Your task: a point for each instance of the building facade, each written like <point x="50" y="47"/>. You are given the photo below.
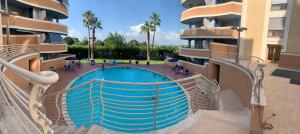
<point x="34" y="25"/>
<point x="271" y="33"/>
<point x="209" y="28"/>
<point x="33" y="37"/>
<point x="290" y="53"/>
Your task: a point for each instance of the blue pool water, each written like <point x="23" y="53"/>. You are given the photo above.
<point x="127" y="108"/>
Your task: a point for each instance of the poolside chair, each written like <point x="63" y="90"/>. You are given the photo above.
<point x="179" y="70"/>
<point x="114" y="61"/>
<point x="185" y="72"/>
<point x="68" y="68"/>
<point x="86" y="61"/>
<point x="175" y="67"/>
<point x="92" y="62"/>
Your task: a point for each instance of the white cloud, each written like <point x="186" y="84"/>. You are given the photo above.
<point x="100" y="36"/>
<point x="170" y="36"/>
<point x="163" y="38"/>
<point x="76" y="34"/>
<point x="80" y="35"/>
<point x="135" y="30"/>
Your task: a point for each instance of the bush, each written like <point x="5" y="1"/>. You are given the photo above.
<point x="121" y="52"/>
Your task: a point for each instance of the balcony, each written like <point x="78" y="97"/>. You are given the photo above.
<point x="19" y="45"/>
<point x="53" y="48"/>
<point x="223" y="51"/>
<point x="24" y="23"/>
<point x="275" y="40"/>
<point x="22" y="39"/>
<point x="221" y="32"/>
<point x="54" y="62"/>
<point x="192" y="3"/>
<point x="51" y="5"/>
<point x="197" y="53"/>
<point x="228" y="10"/>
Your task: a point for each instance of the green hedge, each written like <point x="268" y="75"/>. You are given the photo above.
<point x="121" y="52"/>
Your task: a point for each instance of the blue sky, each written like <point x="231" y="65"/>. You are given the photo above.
<point x="126" y="16"/>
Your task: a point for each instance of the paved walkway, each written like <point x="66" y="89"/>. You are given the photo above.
<point x="283" y="99"/>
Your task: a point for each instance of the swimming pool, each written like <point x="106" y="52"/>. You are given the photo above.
<point x="129" y="108"/>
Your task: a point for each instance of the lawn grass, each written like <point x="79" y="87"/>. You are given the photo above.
<point x="99" y="61"/>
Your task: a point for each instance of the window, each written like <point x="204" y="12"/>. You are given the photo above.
<point x="277" y="23"/>
<point x="276" y="7"/>
<point x="276" y="33"/>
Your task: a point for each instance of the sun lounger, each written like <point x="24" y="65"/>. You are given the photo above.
<point x="175" y="67"/>
<point x="186" y="72"/>
<point x="68" y="68"/>
<point x="179" y="70"/>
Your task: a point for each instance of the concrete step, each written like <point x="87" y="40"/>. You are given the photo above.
<point x="73" y="130"/>
<point x="82" y="130"/>
<point x="94" y="130"/>
<point x="241" y="120"/>
<point x="211" y="125"/>
<point x="67" y="130"/>
<point x="59" y="129"/>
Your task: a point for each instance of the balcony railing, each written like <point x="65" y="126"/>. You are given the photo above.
<point x="53" y="5"/>
<point x="22" y="39"/>
<point x="24" y="23"/>
<point x="204" y="53"/>
<point x="9" y="52"/>
<point x="53" y="48"/>
<point x="19" y="45"/>
<point x="221" y="32"/>
<point x="28" y="106"/>
<point x="189" y="3"/>
<point x="224" y="9"/>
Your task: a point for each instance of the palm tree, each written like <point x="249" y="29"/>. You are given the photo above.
<point x="146" y="28"/>
<point x="155" y="22"/>
<point x="95" y="24"/>
<point x="87" y="18"/>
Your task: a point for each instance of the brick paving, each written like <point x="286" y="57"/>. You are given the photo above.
<point x="283" y="99"/>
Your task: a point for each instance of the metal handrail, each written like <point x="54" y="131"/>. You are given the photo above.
<point x="9" y="52"/>
<point x="31" y="104"/>
<point x="254" y="65"/>
<point x="166" y="102"/>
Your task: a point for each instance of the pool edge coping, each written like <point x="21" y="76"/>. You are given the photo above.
<point x="145" y="69"/>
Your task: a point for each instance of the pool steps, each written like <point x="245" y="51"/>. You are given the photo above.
<point x="72" y="130"/>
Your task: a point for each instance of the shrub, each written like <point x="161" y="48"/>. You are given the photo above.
<point x="121" y="52"/>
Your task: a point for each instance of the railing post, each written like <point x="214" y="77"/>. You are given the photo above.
<point x="155" y="106"/>
<point x="34" y="104"/>
<point x="58" y="109"/>
<point x="91" y="102"/>
<point x="102" y="102"/>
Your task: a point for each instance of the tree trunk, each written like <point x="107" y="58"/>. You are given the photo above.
<point x="93" y="46"/>
<point x="152" y="50"/>
<point x="148" y="43"/>
<point x="89" y="44"/>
